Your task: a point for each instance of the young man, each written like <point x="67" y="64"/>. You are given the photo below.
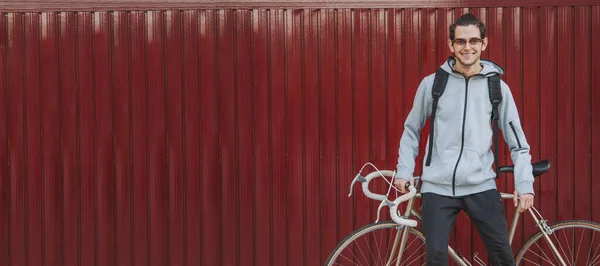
<point x="460" y="174"/>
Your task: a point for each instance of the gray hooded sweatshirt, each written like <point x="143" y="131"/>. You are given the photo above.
<point x="462" y="159"/>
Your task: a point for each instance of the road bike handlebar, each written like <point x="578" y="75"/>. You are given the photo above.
<point x="393" y="205"/>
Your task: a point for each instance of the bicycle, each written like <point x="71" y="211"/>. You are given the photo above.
<point x="399" y="242"/>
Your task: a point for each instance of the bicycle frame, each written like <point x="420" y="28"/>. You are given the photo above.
<point x="411" y="212"/>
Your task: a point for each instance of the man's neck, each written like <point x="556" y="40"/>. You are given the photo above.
<point x="468" y="71"/>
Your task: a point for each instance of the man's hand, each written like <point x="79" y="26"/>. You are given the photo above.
<point x="526" y="201"/>
<point x="401" y="183"/>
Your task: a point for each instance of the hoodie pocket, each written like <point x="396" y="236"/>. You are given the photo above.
<point x="469" y="170"/>
<point x="442" y="167"/>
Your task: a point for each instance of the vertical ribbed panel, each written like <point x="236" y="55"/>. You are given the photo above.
<point x="230" y="137"/>
<point x="595" y="111"/>
<point x="5" y="189"/>
<point x="210" y="157"/>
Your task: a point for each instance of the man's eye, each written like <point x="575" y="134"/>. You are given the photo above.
<point x="459" y="41"/>
<point x="474" y="41"/>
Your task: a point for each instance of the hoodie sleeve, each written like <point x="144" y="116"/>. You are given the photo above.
<point x="409" y="143"/>
<point x="514" y="136"/>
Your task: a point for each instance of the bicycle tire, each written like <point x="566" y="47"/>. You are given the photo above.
<point x="351" y="250"/>
<point x="571" y="239"/>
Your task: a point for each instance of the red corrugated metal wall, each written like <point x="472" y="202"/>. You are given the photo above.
<point x="230" y="137"/>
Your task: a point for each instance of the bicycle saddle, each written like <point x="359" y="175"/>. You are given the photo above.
<point x="539" y="168"/>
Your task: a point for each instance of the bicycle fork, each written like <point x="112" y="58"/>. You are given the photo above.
<point x="401" y="237"/>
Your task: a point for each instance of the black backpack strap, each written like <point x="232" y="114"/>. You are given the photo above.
<point x="495" y="99"/>
<point x="439" y="84"/>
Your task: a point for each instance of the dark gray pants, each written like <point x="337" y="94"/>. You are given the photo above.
<point x="487" y="213"/>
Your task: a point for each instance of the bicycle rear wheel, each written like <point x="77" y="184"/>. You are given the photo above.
<point x="578" y="243"/>
<point x="373" y="244"/>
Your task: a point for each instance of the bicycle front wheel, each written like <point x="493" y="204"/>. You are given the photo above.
<point x="577" y="242"/>
<point x="378" y="244"/>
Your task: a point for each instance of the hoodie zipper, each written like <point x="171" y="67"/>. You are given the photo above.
<point x="515" y="132"/>
<point x="462" y="141"/>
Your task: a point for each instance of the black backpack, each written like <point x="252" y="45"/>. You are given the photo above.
<point x="439" y="85"/>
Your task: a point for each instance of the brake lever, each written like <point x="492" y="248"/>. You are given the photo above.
<point x="383" y="203"/>
<point x="358" y="178"/>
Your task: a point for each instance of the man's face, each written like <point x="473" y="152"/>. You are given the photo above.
<point x="467" y="45"/>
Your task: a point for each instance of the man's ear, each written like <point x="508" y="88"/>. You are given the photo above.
<point x="450" y="45"/>
<point x="484" y="44"/>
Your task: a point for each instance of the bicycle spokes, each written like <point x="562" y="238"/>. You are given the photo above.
<point x="571" y="243"/>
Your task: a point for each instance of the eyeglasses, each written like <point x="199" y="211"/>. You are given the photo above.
<point x="463" y="42"/>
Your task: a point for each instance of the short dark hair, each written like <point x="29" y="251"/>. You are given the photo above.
<point x="467" y="20"/>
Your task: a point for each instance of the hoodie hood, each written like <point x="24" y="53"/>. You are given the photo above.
<point x="489" y="67"/>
